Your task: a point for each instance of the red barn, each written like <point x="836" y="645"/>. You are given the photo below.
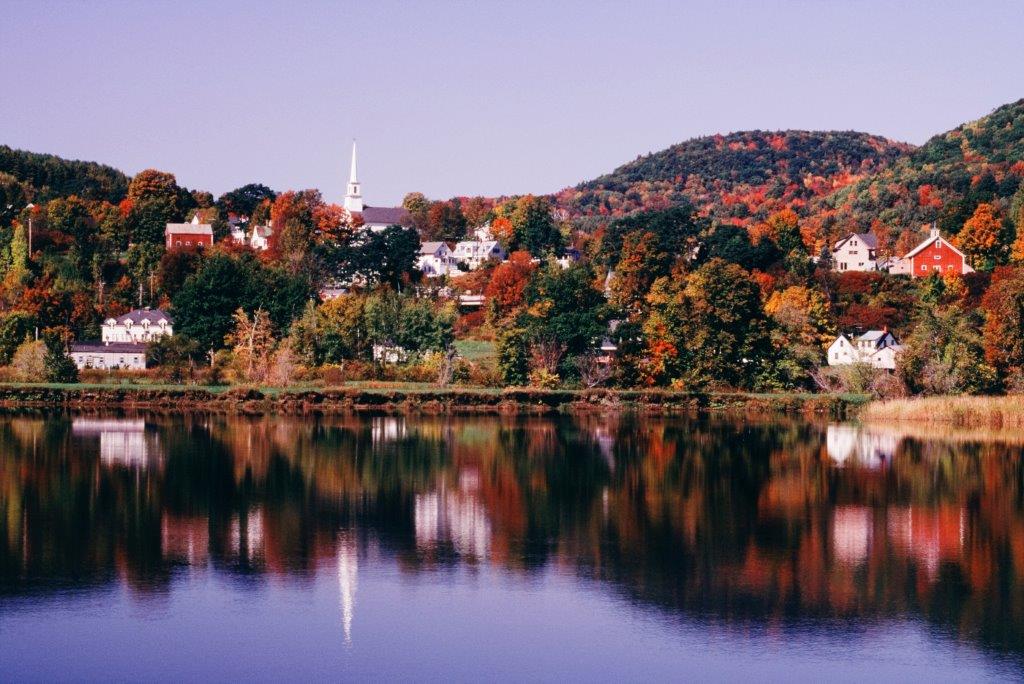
<point x="194" y="234"/>
<point x="934" y="254"/>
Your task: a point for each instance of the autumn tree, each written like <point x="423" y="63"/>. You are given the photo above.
<point x="980" y="237"/>
<point x="252" y="343"/>
<point x="418" y="207"/>
<point x="1003" y="332"/>
<point x="155" y="199"/>
<point x="477" y="211"/>
<point x="29" y="361"/>
<point x="445" y="221"/>
<point x="643" y="260"/>
<point x="294" y="217"/>
<point x="708" y="328"/>
<point x="506" y="288"/>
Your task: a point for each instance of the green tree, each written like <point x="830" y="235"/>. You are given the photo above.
<point x="514" y="356"/>
<point x="57" y="363"/>
<point x="244" y="200"/>
<point x="205" y="306"/>
<point x="534" y="227"/>
<point x="715" y="325"/>
<point x="565" y="307"/>
<point x="15" y="328"/>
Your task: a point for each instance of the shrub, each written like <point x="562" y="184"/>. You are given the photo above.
<point x="29" y="361"/>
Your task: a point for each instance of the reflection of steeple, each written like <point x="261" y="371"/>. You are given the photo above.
<point x="348" y="571"/>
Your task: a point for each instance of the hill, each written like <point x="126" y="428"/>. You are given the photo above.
<point x="738" y="178"/>
<point x="943" y="180"/>
<point x="33" y="177"/>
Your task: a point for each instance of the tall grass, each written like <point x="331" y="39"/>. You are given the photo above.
<point x="994" y="412"/>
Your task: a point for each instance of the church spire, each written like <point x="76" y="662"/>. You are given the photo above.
<point x="354" y="195"/>
<point x="352" y="174"/>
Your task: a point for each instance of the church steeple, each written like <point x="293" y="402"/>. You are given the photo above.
<point x="354" y="195"/>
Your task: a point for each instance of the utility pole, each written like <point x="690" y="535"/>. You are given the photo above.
<point x="30" y="207"/>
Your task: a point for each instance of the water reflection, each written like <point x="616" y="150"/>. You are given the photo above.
<point x="772" y="524"/>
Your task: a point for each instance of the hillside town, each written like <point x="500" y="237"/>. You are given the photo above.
<point x="264" y="288"/>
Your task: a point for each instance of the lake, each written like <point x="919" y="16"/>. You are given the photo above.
<point x="170" y="548"/>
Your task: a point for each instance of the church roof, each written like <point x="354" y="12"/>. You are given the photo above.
<point x="390" y="216"/>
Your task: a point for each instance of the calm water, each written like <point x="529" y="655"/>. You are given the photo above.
<point x="157" y="548"/>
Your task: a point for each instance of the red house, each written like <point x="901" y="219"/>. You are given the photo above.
<point x="934" y="254"/>
<point x="194" y="234"/>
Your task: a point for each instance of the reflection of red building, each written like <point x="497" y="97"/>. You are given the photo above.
<point x="185" y="539"/>
<point x="929" y="536"/>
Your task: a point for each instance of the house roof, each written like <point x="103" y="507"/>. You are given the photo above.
<point x="868" y="239"/>
<point x="390" y="216"/>
<point x="189" y="229"/>
<point x="139" y="315"/>
<point x="431" y="247"/>
<point x="875" y="336"/>
<point x="929" y="240"/>
<point x="263" y="231"/>
<point x="112" y="348"/>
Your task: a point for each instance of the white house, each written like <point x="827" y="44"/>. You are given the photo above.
<point x="877" y="348"/>
<point x="140" y="326"/>
<point x="435" y="259"/>
<point x="260" y="237"/>
<point x="238" y="233"/>
<point x="109" y="356"/>
<point x="856" y="252"/>
<point x="475" y="253"/>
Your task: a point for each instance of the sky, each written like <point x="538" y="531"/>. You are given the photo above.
<point x="468" y="98"/>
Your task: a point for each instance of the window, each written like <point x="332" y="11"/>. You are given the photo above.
<point x="937" y="257"/>
<point x="924" y="267"/>
<point x="177" y="243"/>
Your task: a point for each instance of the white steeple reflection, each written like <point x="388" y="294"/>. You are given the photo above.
<point x="348" y="575"/>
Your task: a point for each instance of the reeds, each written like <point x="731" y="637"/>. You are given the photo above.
<point x="991" y="412"/>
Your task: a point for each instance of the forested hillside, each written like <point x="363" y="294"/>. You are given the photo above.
<point x="944" y="180"/>
<point x="36" y="177"/>
<point x="738" y="178"/>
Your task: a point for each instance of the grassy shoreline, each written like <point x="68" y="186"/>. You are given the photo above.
<point x="989" y="412"/>
<point x="399" y="398"/>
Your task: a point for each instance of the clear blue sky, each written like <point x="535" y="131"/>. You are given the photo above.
<point x="477" y="97"/>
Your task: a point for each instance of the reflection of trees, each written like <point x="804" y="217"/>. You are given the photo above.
<point x="741" y="522"/>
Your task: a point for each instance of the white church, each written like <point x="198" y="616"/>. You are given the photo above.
<point x="374" y="218"/>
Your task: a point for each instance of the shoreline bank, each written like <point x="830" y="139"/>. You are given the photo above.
<point x="457" y="400"/>
<point x="956" y="411"/>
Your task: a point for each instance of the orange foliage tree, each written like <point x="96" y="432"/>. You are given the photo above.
<point x="980" y="236"/>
